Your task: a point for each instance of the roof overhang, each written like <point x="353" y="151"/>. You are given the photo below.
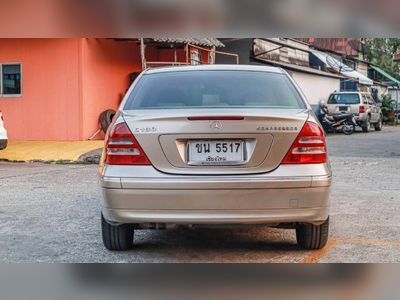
<point x="207" y="42"/>
<point x="386" y="75"/>
<point x="341" y="68"/>
<point x="298" y="68"/>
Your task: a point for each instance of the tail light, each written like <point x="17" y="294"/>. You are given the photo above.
<point x="362" y="109"/>
<point x="122" y="148"/>
<point x="309" y="146"/>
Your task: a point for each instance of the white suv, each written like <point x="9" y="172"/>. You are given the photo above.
<point x="361" y="105"/>
<point x="3" y="133"/>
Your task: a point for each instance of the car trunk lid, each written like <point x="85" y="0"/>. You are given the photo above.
<point x="265" y="136"/>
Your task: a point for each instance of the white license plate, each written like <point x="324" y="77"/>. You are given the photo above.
<point x="221" y="152"/>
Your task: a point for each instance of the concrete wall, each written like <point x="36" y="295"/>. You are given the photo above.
<point x="105" y="77"/>
<point x="49" y="105"/>
<point x="316" y="87"/>
<point x="66" y="84"/>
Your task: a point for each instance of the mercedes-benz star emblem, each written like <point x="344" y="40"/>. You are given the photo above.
<point x="216" y="125"/>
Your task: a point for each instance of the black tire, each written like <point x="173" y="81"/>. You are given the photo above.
<point x="3" y="144"/>
<point x="351" y="127"/>
<point x="311" y="236"/>
<point x="378" y="126"/>
<point x="367" y="125"/>
<point x="105" y="119"/>
<point x="117" y="237"/>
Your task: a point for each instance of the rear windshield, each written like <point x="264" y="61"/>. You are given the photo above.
<point x="214" y="89"/>
<point x="344" y="99"/>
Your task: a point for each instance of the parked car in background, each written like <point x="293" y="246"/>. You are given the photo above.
<point x="3" y="133"/>
<point x="366" y="112"/>
<point x="215" y="145"/>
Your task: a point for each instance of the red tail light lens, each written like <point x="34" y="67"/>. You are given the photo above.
<point x="123" y="149"/>
<point x="309" y="146"/>
<point x="362" y="109"/>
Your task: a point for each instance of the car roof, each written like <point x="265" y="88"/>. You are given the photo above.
<point x="216" y="68"/>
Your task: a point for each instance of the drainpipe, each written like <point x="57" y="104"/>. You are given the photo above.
<point x="142" y="54"/>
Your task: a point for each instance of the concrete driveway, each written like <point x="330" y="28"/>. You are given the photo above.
<point x="51" y="213"/>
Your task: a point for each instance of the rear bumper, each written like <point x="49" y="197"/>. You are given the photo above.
<point x="308" y="215"/>
<point x="276" y="197"/>
<point x="361" y="117"/>
<point x="3" y="144"/>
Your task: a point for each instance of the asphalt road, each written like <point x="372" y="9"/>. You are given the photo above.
<point x="51" y="213"/>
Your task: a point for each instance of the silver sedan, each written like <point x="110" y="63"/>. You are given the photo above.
<point x="215" y="145"/>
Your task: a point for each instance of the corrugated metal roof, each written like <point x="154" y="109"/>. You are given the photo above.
<point x="209" y="42"/>
<point x="344" y="46"/>
<point x="387" y="75"/>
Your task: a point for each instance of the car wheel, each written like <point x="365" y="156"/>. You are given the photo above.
<point x="117" y="237"/>
<point x="311" y="236"/>
<point x="367" y="125"/>
<point x="378" y="126"/>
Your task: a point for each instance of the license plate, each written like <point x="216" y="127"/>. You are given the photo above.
<point x="343" y="108"/>
<point x="223" y="152"/>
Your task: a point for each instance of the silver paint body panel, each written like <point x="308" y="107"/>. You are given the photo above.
<point x="171" y="191"/>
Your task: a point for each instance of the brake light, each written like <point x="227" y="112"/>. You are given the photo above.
<point x="362" y="109"/>
<point x="309" y="146"/>
<point x="122" y="148"/>
<point x="216" y="118"/>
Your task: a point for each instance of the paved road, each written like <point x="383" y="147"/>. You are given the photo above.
<point x="50" y="213"/>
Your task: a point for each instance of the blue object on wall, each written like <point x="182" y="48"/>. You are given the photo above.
<point x="348" y="85"/>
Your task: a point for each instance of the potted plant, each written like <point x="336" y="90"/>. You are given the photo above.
<point x="387" y="109"/>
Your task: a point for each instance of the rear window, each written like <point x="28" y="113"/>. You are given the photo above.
<point x="344" y="99"/>
<point x="214" y="89"/>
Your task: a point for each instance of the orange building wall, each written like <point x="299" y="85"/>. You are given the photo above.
<point x="49" y="106"/>
<point x="106" y="68"/>
<point x="67" y="83"/>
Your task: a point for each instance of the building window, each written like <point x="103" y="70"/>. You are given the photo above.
<point x="10" y="80"/>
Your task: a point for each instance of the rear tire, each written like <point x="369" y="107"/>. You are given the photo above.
<point x="117" y="237"/>
<point x="311" y="236"/>
<point x="367" y="125"/>
<point x="378" y="126"/>
<point x="106" y="118"/>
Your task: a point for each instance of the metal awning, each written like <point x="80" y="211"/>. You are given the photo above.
<point x="208" y="42"/>
<point x="387" y="75"/>
<point x="340" y="67"/>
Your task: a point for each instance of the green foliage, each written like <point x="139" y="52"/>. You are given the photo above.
<point x="387" y="106"/>
<point x="388" y="103"/>
<point x="380" y="51"/>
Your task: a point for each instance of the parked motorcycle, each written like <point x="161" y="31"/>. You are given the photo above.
<point x="343" y="122"/>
